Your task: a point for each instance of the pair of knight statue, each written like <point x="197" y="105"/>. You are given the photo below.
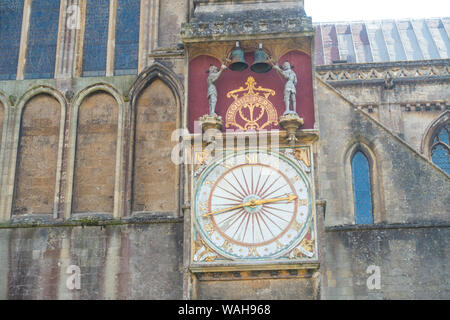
<point x="290" y="93"/>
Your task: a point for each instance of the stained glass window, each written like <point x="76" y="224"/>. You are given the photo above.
<point x="10" y="28"/>
<point x="42" y="39"/>
<point x="440" y="150"/>
<point x="127" y="37"/>
<point x="96" y="38"/>
<point x="362" y="189"/>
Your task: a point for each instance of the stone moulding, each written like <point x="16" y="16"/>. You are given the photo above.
<point x="345" y="73"/>
<point x="243" y="267"/>
<point x="199" y="30"/>
<point x="87" y="220"/>
<point x="421" y="106"/>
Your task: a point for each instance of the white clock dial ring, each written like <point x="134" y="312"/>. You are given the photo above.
<point x="252" y="205"/>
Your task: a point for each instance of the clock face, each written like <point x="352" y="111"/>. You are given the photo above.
<point x="252" y="205"/>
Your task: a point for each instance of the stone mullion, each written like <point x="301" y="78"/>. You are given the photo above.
<point x="77" y="66"/>
<point x="62" y="34"/>
<point x="143" y="45"/>
<point x="155" y="25"/>
<point x="151" y="25"/>
<point x="68" y="36"/>
<point x="24" y="39"/>
<point x="127" y="161"/>
<point x="111" y="38"/>
<point x="63" y="169"/>
<point x="148" y="32"/>
<point x="10" y="159"/>
<point x="8" y="124"/>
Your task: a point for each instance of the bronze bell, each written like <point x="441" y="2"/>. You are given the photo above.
<point x="261" y="64"/>
<point x="238" y="62"/>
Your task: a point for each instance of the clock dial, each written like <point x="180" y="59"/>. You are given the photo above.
<point x="252" y="205"/>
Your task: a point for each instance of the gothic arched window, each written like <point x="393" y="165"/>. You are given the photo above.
<point x="362" y="189"/>
<point x="440" y="150"/>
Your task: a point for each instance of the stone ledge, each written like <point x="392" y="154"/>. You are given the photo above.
<point x="86" y="220"/>
<point x="387" y="226"/>
<point x="264" y="266"/>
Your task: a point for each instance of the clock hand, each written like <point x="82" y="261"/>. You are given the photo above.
<point x="247" y="204"/>
<point x="264" y="201"/>
<point x="252" y="203"/>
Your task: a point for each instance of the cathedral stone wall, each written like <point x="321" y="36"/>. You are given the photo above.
<point x="412" y="263"/>
<point x="87" y="179"/>
<point x="407" y="109"/>
<point x="155" y="175"/>
<point x="116" y="262"/>
<point x="95" y="158"/>
<point x="172" y="15"/>
<point x="37" y="156"/>
<point x="402" y="173"/>
<point x="284" y="285"/>
<point x="409" y="239"/>
<point x="131" y="257"/>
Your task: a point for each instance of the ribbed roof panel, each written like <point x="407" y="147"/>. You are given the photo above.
<point x="382" y="41"/>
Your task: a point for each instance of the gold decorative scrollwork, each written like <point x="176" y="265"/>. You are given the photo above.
<point x="255" y="100"/>
<point x="202" y="252"/>
<point x="303" y="155"/>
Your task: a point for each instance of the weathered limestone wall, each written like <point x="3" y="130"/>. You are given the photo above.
<point x="121" y="166"/>
<point x="413" y="263"/>
<point x="116" y="262"/>
<point x="409" y="240"/>
<point x="171" y="14"/>
<point x="95" y="158"/>
<point x="154" y="176"/>
<point x="402" y="174"/>
<point x="256" y="285"/>
<point x="37" y="156"/>
<point x="82" y="160"/>
<point x="391" y="108"/>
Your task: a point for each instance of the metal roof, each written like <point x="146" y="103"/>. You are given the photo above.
<point x="382" y="41"/>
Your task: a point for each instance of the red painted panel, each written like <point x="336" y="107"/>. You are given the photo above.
<point x="231" y="80"/>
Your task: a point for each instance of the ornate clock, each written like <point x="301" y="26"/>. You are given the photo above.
<point x="254" y="206"/>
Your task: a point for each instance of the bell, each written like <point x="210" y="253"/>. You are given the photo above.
<point x="261" y="64"/>
<point x="237" y="59"/>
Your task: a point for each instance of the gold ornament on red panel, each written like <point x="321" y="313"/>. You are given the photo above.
<point x="251" y="109"/>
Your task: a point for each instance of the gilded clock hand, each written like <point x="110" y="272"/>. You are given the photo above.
<point x="264" y="201"/>
<point x="247" y="204"/>
<point x="252" y="203"/>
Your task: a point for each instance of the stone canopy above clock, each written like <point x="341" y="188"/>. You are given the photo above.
<point x="217" y="19"/>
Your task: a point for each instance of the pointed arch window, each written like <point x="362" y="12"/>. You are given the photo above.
<point x="440" y="150"/>
<point x="362" y="188"/>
